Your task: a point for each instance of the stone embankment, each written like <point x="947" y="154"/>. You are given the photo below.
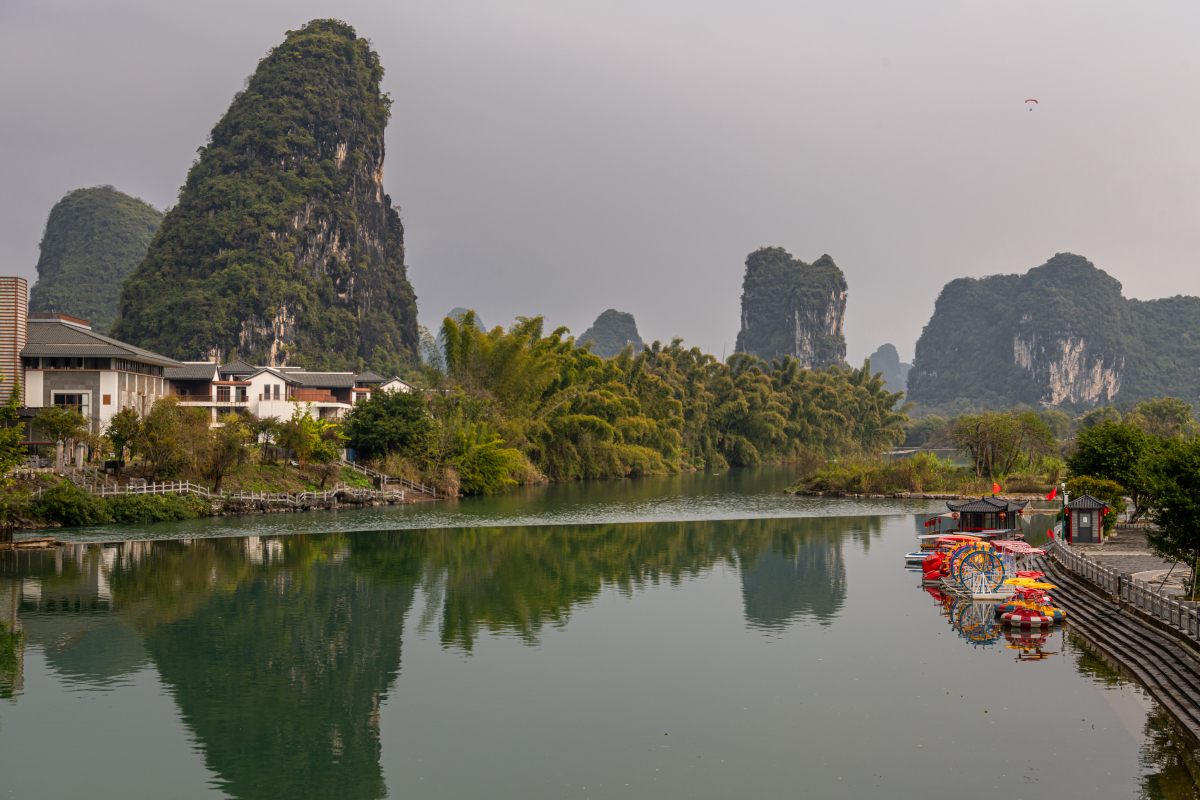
<point x="912" y="495"/>
<point x="1162" y="660"/>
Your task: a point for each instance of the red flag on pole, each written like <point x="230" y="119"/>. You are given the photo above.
<point x="995" y="488"/>
<point x="1053" y="493"/>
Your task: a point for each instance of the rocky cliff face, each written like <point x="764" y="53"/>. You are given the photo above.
<point x="790" y="308"/>
<point x="284" y="247"/>
<point x="1057" y="334"/>
<point x="94" y="238"/>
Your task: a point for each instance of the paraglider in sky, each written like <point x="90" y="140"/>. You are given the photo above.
<point x="1031" y="100"/>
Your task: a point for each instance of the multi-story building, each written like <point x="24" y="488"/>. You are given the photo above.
<point x="14" y="312"/>
<point x="58" y="360"/>
<point x="66" y="363"/>
<point x="273" y="391"/>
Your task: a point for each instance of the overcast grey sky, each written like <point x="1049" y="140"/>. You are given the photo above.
<point x="566" y="156"/>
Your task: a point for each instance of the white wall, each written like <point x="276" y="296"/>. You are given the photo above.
<point x="108" y="386"/>
<point x="33" y="388"/>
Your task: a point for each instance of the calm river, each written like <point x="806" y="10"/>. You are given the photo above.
<point x="695" y="636"/>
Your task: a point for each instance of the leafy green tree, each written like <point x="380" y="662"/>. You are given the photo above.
<point x="1172" y="493"/>
<point x="12" y="451"/>
<point x="1112" y="451"/>
<point x="222" y="449"/>
<point x="1058" y="422"/>
<point x="124" y="431"/>
<point x="60" y="425"/>
<point x="388" y="423"/>
<point x="263" y="431"/>
<point x="170" y="437"/>
<point x="1163" y="417"/>
<point x="483" y="465"/>
<point x="996" y="442"/>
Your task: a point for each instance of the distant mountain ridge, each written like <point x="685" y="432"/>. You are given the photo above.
<point x="94" y="239"/>
<point x="1061" y="334"/>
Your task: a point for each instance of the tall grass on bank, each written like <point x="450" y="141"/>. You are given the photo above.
<point x="922" y="472"/>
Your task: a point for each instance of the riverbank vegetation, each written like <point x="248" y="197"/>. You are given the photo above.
<point x="522" y="404"/>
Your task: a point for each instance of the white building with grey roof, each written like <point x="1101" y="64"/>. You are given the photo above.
<point x="66" y="363"/>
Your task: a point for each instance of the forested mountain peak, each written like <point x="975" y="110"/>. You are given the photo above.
<point x="284" y="245"/>
<point x="1062" y="333"/>
<point x="611" y="332"/>
<point x="93" y="239"/>
<point x="790" y="308"/>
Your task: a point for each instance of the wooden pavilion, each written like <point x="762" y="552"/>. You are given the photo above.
<point x="987" y="514"/>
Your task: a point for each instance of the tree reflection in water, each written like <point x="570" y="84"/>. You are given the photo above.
<point x="280" y="651"/>
<point x="1168" y="758"/>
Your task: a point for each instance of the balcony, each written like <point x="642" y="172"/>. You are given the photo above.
<point x="313" y="396"/>
<point x="222" y="399"/>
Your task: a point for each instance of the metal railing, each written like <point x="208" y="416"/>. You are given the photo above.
<point x="1181" y="615"/>
<point x="208" y="399"/>
<point x="386" y="479"/>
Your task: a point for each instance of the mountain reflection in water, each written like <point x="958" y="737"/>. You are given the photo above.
<point x="279" y="652"/>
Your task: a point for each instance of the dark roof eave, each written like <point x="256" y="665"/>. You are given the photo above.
<point x="987" y="505"/>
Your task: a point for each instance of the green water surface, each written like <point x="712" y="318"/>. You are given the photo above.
<point x="774" y="652"/>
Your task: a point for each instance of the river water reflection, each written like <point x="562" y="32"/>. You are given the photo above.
<point x="756" y="657"/>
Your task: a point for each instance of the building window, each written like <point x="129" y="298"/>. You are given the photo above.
<point x="240" y="394"/>
<point x="72" y="402"/>
<point x="222" y="394"/>
<point x="138" y="367"/>
<point x="31" y="363"/>
<point x="277" y="391"/>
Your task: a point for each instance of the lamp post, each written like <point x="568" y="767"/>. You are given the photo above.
<point x="1066" y="523"/>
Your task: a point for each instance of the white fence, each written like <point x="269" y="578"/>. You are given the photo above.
<point x="1179" y="614"/>
<point x="97" y="483"/>
<point x="386" y="479"/>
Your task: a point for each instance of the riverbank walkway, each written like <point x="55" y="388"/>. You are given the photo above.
<point x="1157" y="654"/>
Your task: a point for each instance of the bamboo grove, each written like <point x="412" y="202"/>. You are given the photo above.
<point x="565" y="413"/>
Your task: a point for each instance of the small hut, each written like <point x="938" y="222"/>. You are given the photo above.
<point x="987" y="514"/>
<point x="1085" y="520"/>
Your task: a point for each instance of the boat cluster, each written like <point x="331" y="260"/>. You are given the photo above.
<point x="989" y="568"/>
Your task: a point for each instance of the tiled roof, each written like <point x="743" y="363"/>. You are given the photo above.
<point x="324" y="380"/>
<point x="369" y="377"/>
<point x="283" y="376"/>
<point x="54" y="338"/>
<point x="986" y="505"/>
<point x="238" y="367"/>
<point x="204" y="371"/>
<point x="1086" y="503"/>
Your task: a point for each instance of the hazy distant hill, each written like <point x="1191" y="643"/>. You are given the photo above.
<point x="1062" y="333"/>
<point x="94" y="238"/>
<point x="284" y="245"/>
<point x="611" y="333"/>
<point x="793" y="308"/>
<point x="887" y="360"/>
